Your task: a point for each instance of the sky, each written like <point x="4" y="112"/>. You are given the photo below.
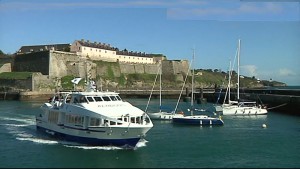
<point x="269" y="30"/>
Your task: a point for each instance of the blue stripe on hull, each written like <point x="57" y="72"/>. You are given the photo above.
<point x="197" y="121"/>
<point x="128" y="143"/>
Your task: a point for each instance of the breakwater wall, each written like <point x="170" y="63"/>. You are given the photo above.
<point x="286" y="101"/>
<point x="277" y="100"/>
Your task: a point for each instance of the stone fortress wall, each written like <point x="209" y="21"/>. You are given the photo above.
<point x="53" y="65"/>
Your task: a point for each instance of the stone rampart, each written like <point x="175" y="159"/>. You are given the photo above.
<point x="16" y="84"/>
<point x="32" y="62"/>
<point x="54" y="65"/>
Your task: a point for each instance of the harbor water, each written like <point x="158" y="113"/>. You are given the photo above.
<point x="242" y="142"/>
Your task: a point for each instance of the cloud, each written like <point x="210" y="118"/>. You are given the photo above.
<point x="249" y="70"/>
<point x="237" y="11"/>
<point x="37" y="5"/>
<point x="286" y="72"/>
<point x="283" y="75"/>
<point x="259" y="8"/>
<point x="176" y="9"/>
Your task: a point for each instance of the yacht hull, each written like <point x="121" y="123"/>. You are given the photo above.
<point x="119" y="142"/>
<point x="100" y="136"/>
<point x="197" y="120"/>
<point x="235" y="110"/>
<point x="161" y="116"/>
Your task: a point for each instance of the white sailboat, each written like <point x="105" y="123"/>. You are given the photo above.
<point x="239" y="107"/>
<point x="160" y="115"/>
<point x="194" y="119"/>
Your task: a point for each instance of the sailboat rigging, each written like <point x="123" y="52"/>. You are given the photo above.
<point x="239" y="107"/>
<point x="193" y="119"/>
<point x="160" y="115"/>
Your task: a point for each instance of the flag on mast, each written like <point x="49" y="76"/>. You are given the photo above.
<point x="76" y="80"/>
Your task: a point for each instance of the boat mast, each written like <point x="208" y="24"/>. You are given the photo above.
<point x="229" y="79"/>
<point x="192" y="98"/>
<point x="238" y="83"/>
<point x="160" y="72"/>
<point x="152" y="90"/>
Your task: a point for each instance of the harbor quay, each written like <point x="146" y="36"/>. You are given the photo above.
<point x="277" y="100"/>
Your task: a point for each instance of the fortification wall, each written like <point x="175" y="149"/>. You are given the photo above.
<point x="32" y="62"/>
<point x="140" y="68"/>
<point x="64" y="63"/>
<point x="8" y="85"/>
<point x="127" y="68"/>
<point x="151" y="69"/>
<point x="44" y="82"/>
<point x="175" y="67"/>
<point x="58" y="64"/>
<point x="54" y="65"/>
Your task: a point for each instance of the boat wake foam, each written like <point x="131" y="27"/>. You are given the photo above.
<point x="23" y="120"/>
<point x="141" y="143"/>
<point x="24" y="130"/>
<point x="37" y="140"/>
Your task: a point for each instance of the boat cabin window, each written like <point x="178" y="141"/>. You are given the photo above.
<point x="73" y="119"/>
<point x="132" y="120"/>
<point x="119" y="119"/>
<point x="90" y="99"/>
<point x="68" y="99"/>
<point x="119" y="98"/>
<point x="82" y="99"/>
<point x="94" y="122"/>
<point x="112" y="123"/>
<point x="113" y="98"/>
<point x="98" y="99"/>
<point x="79" y="99"/>
<point x="106" y="98"/>
<point x="53" y="117"/>
<point x="138" y="120"/>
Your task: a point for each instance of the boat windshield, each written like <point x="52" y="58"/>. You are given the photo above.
<point x="78" y="98"/>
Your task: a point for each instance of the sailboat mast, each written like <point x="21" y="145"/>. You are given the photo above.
<point x="238" y="83"/>
<point x="160" y="72"/>
<point x="229" y="81"/>
<point x="192" y="98"/>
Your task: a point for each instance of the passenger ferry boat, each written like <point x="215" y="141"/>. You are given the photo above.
<point x="93" y="118"/>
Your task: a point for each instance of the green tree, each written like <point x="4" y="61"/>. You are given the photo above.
<point x="2" y="53"/>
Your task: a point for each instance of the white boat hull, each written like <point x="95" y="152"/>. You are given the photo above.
<point x="95" y="136"/>
<point x="236" y="110"/>
<point x="162" y="116"/>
